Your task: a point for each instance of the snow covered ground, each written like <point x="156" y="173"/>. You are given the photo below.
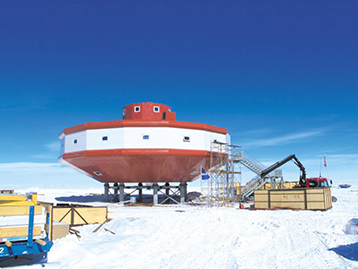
<point x="198" y="237"/>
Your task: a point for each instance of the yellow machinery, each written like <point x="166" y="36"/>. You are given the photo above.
<point x="18" y="200"/>
<point x="24" y="230"/>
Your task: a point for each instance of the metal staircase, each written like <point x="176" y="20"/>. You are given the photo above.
<point x="252" y="185"/>
<point x="256" y="167"/>
<point x="249" y="162"/>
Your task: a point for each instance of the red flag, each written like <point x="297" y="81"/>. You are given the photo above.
<point x="324" y="161"/>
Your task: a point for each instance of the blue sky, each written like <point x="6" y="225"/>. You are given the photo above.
<point x="281" y="76"/>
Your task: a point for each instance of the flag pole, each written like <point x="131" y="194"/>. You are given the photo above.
<point x="325" y="162"/>
<point x="320" y="166"/>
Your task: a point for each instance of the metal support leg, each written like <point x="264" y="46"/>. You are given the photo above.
<point x="273" y="184"/>
<point x="31" y="227"/>
<point x="167" y="190"/>
<point x="140" y="193"/>
<point x="106" y="191"/>
<point x="183" y="190"/>
<point x="155" y="193"/>
<point x="115" y="192"/>
<point x="121" y="192"/>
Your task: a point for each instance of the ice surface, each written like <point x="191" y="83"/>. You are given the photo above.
<point x="198" y="237"/>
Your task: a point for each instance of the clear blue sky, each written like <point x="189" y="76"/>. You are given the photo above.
<point x="281" y="76"/>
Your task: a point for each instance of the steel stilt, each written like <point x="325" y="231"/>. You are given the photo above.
<point x="121" y="192"/>
<point x="115" y="192"/>
<point x="183" y="190"/>
<point x="140" y="193"/>
<point x="167" y="190"/>
<point x="155" y="193"/>
<point x="106" y="192"/>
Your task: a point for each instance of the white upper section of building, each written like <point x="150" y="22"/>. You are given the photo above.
<point x="141" y="138"/>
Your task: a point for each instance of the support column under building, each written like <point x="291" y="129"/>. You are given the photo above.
<point x="106" y="192"/>
<point x="167" y="190"/>
<point x="175" y="194"/>
<point x="183" y="190"/>
<point x="121" y="192"/>
<point x="140" y="193"/>
<point x="115" y="192"/>
<point x="155" y="193"/>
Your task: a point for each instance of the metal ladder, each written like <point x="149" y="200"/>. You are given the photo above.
<point x="248" y="161"/>
<point x="256" y="167"/>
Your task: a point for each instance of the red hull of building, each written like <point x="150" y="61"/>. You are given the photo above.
<point x="140" y="165"/>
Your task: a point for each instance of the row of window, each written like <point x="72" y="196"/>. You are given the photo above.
<point x="156" y="109"/>
<point x="104" y="138"/>
<point x="185" y="138"/>
<point x="145" y="137"/>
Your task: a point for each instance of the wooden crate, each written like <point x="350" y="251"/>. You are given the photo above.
<point x="60" y="230"/>
<point x="286" y="185"/>
<point x="71" y="215"/>
<point x="290" y="184"/>
<point x="21" y="220"/>
<point x="77" y="215"/>
<point x="13" y="210"/>
<point x="48" y="227"/>
<point x="8" y="232"/>
<point x="312" y="199"/>
<point x="238" y="188"/>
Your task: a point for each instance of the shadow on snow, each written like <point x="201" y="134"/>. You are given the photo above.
<point x="91" y="198"/>
<point x="349" y="252"/>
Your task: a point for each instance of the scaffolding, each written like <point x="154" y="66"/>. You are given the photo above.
<point x="224" y="184"/>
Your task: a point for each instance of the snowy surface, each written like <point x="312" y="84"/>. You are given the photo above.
<point x="197" y="237"/>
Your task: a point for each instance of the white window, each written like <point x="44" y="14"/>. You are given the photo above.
<point x="186" y="138"/>
<point x="137" y="109"/>
<point x="75" y="141"/>
<point x="97" y="173"/>
<point x="145" y="137"/>
<point x="104" y="138"/>
<point x="124" y="111"/>
<point x="156" y="109"/>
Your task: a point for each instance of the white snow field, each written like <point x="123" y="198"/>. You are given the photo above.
<point x="187" y="236"/>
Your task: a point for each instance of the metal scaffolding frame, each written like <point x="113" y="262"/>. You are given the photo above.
<point x="224" y="184"/>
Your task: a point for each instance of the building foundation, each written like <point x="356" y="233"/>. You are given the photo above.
<point x="162" y="194"/>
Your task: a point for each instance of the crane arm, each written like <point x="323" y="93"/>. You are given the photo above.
<point x="276" y="165"/>
<point x="302" y="181"/>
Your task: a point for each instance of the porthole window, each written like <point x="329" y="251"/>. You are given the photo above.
<point x="124" y="111"/>
<point x="75" y="141"/>
<point x="104" y="138"/>
<point x="186" y="138"/>
<point x="156" y="109"/>
<point x="145" y="137"/>
<point x="137" y="109"/>
<point x="97" y="173"/>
